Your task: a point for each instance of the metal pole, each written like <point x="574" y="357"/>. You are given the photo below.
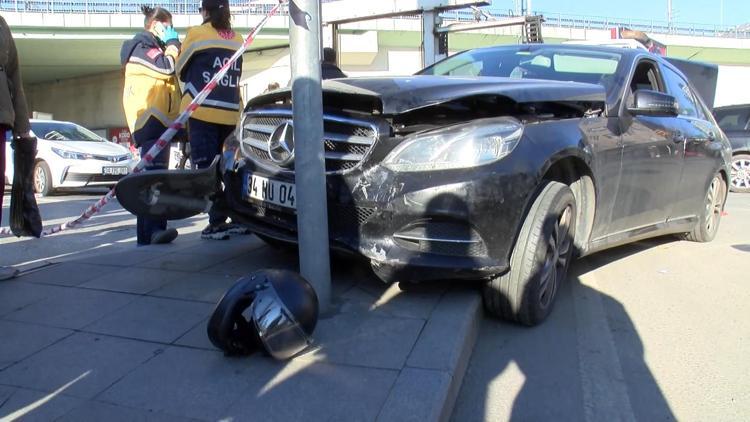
<point x="307" y="105"/>
<point x="429" y="38"/>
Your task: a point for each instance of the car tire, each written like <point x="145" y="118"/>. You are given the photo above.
<point x="540" y="259"/>
<point x="42" y="179"/>
<point x="713" y="206"/>
<point x="740" y="167"/>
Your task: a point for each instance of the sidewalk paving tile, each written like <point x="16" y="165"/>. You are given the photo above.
<point x="457" y="312"/>
<point x="16" y="294"/>
<point x="237" y="245"/>
<point x="152" y="319"/>
<point x="66" y="274"/>
<point x="190" y="382"/>
<point x="198" y="338"/>
<point x="416" y="395"/>
<point x="182" y="262"/>
<point x="203" y="287"/>
<point x="21" y="340"/>
<point x="71" y="308"/>
<point x="391" y="301"/>
<point x="30" y="405"/>
<point x="365" y="340"/>
<point x="123" y="258"/>
<point x="264" y="257"/>
<point x="91" y="362"/>
<point x="98" y="411"/>
<point x="315" y="391"/>
<point x="133" y="280"/>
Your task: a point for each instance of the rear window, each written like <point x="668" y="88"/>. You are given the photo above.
<point x="552" y="63"/>
<point x="732" y="119"/>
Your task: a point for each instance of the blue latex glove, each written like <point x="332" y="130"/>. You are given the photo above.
<point x="170" y="34"/>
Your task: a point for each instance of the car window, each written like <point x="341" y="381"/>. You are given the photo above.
<point x="733" y="118"/>
<point x="679" y="88"/>
<point x="64" y="131"/>
<point x="646" y="77"/>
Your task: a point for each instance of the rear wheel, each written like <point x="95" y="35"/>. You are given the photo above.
<point x="740" y="177"/>
<point x="540" y="259"/>
<point x="713" y="205"/>
<point x="42" y="179"/>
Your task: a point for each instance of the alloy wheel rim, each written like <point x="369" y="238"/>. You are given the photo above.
<point x="741" y="173"/>
<point x="557" y="257"/>
<point x="40" y="179"/>
<point x="714" y="202"/>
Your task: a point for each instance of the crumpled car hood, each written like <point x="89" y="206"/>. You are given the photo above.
<point x="402" y="94"/>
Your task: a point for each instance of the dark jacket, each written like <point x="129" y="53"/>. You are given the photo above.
<point x="13" y="109"/>
<point x="330" y="71"/>
<point x="151" y="96"/>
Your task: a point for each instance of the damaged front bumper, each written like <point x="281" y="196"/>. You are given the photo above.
<point x="457" y="224"/>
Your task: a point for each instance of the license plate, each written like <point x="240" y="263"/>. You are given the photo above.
<point x="114" y="171"/>
<point x="272" y="191"/>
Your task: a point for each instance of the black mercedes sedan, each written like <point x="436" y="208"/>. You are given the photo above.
<point x="496" y="164"/>
<point x="734" y="120"/>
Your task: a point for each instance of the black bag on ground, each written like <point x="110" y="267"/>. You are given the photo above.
<point x="24" y="212"/>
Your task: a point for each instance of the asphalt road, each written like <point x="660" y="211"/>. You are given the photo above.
<point x="658" y="330"/>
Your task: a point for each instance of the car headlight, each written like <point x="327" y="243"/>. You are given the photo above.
<point x="71" y="155"/>
<point x="465" y="145"/>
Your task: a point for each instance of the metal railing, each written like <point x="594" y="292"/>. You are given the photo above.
<point x="650" y="26"/>
<point x="557" y="20"/>
<point x="127" y="7"/>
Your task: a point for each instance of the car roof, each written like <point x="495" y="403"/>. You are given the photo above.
<point x="52" y="121"/>
<point x="625" y="52"/>
<point x="732" y="107"/>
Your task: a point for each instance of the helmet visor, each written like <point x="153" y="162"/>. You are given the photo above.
<point x="280" y="333"/>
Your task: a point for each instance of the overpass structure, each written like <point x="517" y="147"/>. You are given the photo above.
<point x="69" y="49"/>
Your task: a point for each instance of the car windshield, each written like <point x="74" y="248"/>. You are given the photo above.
<point x="58" y="131"/>
<point x="559" y="64"/>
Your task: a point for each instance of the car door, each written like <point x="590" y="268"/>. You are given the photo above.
<point x="702" y="146"/>
<point x="651" y="159"/>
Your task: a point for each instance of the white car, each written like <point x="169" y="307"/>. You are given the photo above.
<point x="71" y="156"/>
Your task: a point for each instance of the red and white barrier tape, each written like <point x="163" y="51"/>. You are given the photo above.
<point x="167" y="136"/>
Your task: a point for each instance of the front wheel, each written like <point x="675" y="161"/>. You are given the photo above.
<point x="540" y="259"/>
<point x="42" y="179"/>
<point x="713" y="205"/>
<point x="740" y="177"/>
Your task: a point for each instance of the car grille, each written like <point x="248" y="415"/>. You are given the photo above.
<point x="111" y="159"/>
<point x="346" y="141"/>
<point x="89" y="178"/>
<point x="340" y="217"/>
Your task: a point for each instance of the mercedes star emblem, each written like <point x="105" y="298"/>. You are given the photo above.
<point x="281" y="144"/>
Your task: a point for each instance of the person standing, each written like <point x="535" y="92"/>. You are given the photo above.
<point x="206" y="49"/>
<point x="14" y="114"/>
<point x="151" y="100"/>
<point x="329" y="69"/>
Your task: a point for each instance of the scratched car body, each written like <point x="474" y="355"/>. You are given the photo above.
<point x="497" y="164"/>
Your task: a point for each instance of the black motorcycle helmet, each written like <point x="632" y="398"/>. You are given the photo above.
<point x="275" y="310"/>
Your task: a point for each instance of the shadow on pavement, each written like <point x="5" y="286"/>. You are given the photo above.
<point x="585" y="362"/>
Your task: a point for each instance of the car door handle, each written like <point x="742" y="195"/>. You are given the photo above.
<point x="678" y="136"/>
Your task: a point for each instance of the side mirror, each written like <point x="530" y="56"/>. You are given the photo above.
<point x="653" y="103"/>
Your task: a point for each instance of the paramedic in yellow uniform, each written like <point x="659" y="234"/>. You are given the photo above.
<point x="205" y="50"/>
<point x="151" y="99"/>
